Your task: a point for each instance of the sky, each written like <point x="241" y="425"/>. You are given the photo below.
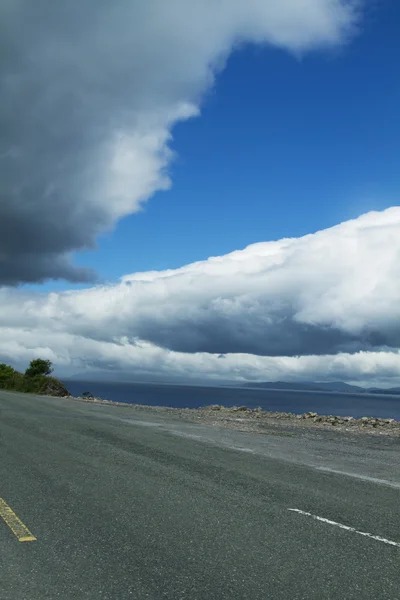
<point x="201" y="191"/>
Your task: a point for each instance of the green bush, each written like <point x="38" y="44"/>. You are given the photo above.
<point x="9" y="378"/>
<point x="35" y="380"/>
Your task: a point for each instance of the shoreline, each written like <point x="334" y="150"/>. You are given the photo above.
<point x="257" y="420"/>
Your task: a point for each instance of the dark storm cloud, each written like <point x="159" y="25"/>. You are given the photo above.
<point x="66" y="87"/>
<point x="41" y="150"/>
<point x="89" y="93"/>
<point x="281" y="338"/>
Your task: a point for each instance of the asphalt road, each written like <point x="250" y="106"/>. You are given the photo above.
<point x="126" y="504"/>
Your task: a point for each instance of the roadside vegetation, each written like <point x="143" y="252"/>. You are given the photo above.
<point x="36" y="379"/>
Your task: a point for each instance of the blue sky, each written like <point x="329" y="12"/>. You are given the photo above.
<point x="284" y="146"/>
<point x="177" y="205"/>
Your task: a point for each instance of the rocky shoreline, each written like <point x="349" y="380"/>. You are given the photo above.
<point x="256" y="420"/>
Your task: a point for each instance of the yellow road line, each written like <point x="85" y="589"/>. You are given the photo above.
<point x="15" y="524"/>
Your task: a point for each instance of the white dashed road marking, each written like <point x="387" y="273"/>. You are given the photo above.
<point x="346" y="527"/>
<point x="393" y="484"/>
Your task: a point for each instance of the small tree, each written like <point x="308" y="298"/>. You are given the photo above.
<point x="7" y="374"/>
<point x="39" y="366"/>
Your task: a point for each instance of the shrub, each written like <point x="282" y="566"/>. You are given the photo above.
<point x="39" y="366"/>
<point x="9" y="377"/>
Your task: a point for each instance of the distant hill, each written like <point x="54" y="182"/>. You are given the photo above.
<point x="318" y="386"/>
<point x="395" y="391"/>
<point x="280" y="385"/>
<point x="330" y="386"/>
<point x="340" y="386"/>
<point x="334" y="386"/>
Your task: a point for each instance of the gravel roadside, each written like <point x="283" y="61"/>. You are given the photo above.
<point x="257" y="420"/>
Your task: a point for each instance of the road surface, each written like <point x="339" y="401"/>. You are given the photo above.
<point x="127" y="504"/>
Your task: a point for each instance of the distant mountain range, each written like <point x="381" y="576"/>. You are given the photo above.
<point x="394" y="390"/>
<point x="331" y="386"/>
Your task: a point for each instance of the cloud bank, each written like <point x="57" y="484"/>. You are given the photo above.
<point x="89" y="94"/>
<point x="323" y="306"/>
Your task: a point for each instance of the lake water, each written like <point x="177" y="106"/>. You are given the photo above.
<point x="182" y="396"/>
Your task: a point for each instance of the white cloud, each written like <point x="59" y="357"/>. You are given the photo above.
<point x="324" y="306"/>
<point x="90" y="93"/>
